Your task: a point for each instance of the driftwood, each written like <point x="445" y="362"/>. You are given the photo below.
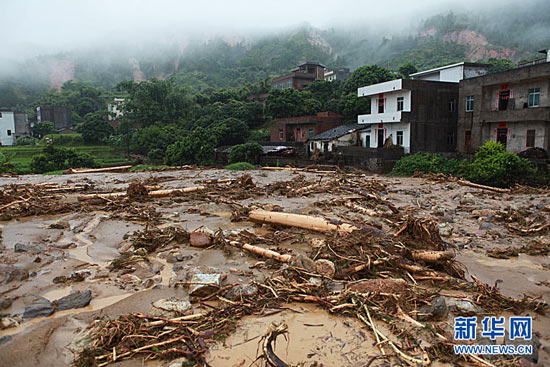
<point x="432" y="256"/>
<point x="154" y="194"/>
<point x="97" y="170"/>
<point x="262" y="251"/>
<point x="298" y="220"/>
<point x="478" y="186"/>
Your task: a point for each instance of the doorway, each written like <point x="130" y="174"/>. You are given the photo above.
<point x="503" y="97"/>
<point x="380" y="138"/>
<point x="502" y="136"/>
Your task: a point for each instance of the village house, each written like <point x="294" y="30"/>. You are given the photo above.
<point x="337" y="74"/>
<point x="114" y="109"/>
<point x="511" y="107"/>
<point x="61" y="117"/>
<point x="302" y="128"/>
<point x="300" y="77"/>
<point x="343" y="135"/>
<point x="13" y="125"/>
<point x="419" y="114"/>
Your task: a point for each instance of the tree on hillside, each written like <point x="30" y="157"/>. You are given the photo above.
<point x="367" y="75"/>
<point x="197" y="147"/>
<point x="496" y="65"/>
<point x="94" y="128"/>
<point x="230" y="131"/>
<point x="154" y="101"/>
<point x="407" y="69"/>
<point x="289" y="102"/>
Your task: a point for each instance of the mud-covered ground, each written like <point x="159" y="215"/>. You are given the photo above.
<point x="72" y="249"/>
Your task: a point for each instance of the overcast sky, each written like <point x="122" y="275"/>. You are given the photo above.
<point x="29" y="27"/>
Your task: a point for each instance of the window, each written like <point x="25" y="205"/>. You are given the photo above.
<point x="367" y="141"/>
<point x="280" y="133"/>
<point x="0" y="115"/>
<point x="468" y="138"/>
<point x="380" y="105"/>
<point x="310" y="132"/>
<point x="282" y="85"/>
<point x="469" y="103"/>
<point x="534" y="97"/>
<point x="9" y="132"/>
<point x="452" y="103"/>
<point x="530" y="139"/>
<point x="450" y="138"/>
<point x="289" y="84"/>
<point x="399" y="136"/>
<point x="400" y="102"/>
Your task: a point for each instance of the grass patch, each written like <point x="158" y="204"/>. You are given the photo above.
<point x="147" y="167"/>
<point x="240" y="166"/>
<point x="51" y="173"/>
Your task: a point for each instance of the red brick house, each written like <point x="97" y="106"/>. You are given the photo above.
<point x="299" y="77"/>
<point x="302" y="128"/>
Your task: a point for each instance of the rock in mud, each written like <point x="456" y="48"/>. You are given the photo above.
<point x="5" y="302"/>
<point x="201" y="285"/>
<point x="7" y="322"/>
<point x="465" y="307"/>
<point x="76" y="299"/>
<point x="5" y="339"/>
<point x="435" y="311"/>
<point x="445" y="230"/>
<point x="65" y="246"/>
<point x="325" y="267"/>
<point x="41" y="307"/>
<point x="304" y="262"/>
<point x="170" y="308"/>
<point x="200" y="239"/>
<point x="180" y="362"/>
<point x="19" y="247"/>
<point x="241" y="290"/>
<point x="10" y="273"/>
<point x="60" y="224"/>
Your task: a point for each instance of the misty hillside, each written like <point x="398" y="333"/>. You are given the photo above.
<point x="508" y="33"/>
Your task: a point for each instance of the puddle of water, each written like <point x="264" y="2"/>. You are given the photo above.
<point x="314" y="336"/>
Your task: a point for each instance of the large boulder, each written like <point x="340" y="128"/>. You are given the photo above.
<point x="41" y="307"/>
<point x="76" y="299"/>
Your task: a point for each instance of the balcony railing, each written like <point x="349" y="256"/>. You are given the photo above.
<point x="519" y="115"/>
<point x="374" y="118"/>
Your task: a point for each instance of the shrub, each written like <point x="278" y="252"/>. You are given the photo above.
<point x="249" y="152"/>
<point x="197" y="147"/>
<point x="5" y="164"/>
<point x="26" y="141"/>
<point x="428" y="162"/>
<point x="64" y="139"/>
<point x="240" y="166"/>
<point x="495" y="167"/>
<point x="156" y="155"/>
<point x="54" y="158"/>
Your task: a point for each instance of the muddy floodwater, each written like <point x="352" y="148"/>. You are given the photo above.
<point x="67" y="260"/>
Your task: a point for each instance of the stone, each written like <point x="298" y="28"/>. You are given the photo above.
<point x="65" y="246"/>
<point x="200" y="239"/>
<point x="241" y="290"/>
<point x="7" y="322"/>
<point x="10" y="273"/>
<point x="486" y="225"/>
<point x="19" y="247"/>
<point x="170" y="308"/>
<point x="445" y="230"/>
<point x="5" y="303"/>
<point x="177" y="267"/>
<point x="325" y="267"/>
<point x="202" y="285"/>
<point x="76" y="299"/>
<point x="4" y="339"/>
<point x="437" y="310"/>
<point x="41" y="307"/>
<point x="60" y="224"/>
<point x="304" y="262"/>
<point x="465" y="307"/>
<point x="179" y="257"/>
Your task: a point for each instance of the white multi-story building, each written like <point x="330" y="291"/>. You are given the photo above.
<point x="419" y="114"/>
<point x="114" y="109"/>
<point x="7" y="128"/>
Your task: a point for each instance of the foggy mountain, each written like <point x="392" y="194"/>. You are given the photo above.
<point x="231" y="58"/>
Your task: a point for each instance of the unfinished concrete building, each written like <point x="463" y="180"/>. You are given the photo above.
<point x="511" y="107"/>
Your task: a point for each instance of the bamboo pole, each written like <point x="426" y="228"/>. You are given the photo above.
<point x="262" y="251"/>
<point x="478" y="186"/>
<point x="97" y="170"/>
<point x="298" y="220"/>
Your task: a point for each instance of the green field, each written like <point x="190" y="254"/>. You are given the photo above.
<point x="106" y="155"/>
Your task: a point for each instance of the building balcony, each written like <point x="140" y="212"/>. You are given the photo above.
<point x="517" y="115"/>
<point x="380" y="118"/>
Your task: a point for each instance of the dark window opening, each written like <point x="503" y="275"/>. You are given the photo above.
<point x="503" y="100"/>
<point x="380" y="105"/>
<point x="399" y="137"/>
<point x="502" y="136"/>
<point x="280" y="133"/>
<point x="452" y="103"/>
<point x="450" y="138"/>
<point x="400" y="103"/>
<point x="9" y="132"/>
<point x="0" y="115"/>
<point x="534" y="97"/>
<point x="469" y="103"/>
<point x="530" y="139"/>
<point x="380" y="138"/>
<point x="310" y="133"/>
<point x="367" y="141"/>
<point x="468" y="138"/>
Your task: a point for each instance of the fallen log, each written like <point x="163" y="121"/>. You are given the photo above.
<point x="478" y="186"/>
<point x="432" y="256"/>
<point x="281" y="169"/>
<point x="262" y="251"/>
<point x="97" y="170"/>
<point x="154" y="194"/>
<point x="298" y="220"/>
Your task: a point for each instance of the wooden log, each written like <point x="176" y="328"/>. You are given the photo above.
<point x="478" y="186"/>
<point x="281" y="169"/>
<point x="154" y="194"/>
<point x="97" y="170"/>
<point x="262" y="251"/>
<point x="432" y="256"/>
<point x="298" y="220"/>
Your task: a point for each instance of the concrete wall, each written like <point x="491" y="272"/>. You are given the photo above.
<point x="517" y="134"/>
<point x="7" y="128"/>
<point x="390" y="108"/>
<point x="22" y="126"/>
<point x="388" y="129"/>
